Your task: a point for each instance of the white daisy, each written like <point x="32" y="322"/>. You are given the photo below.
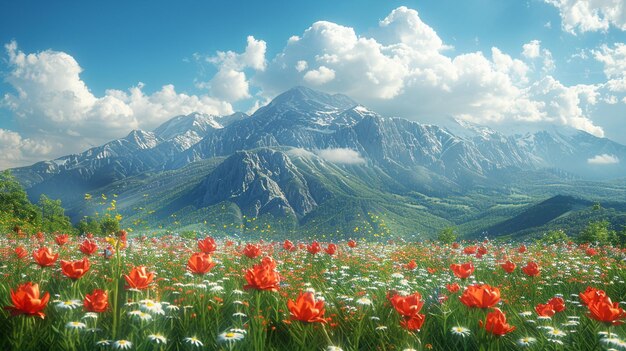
<point x="460" y="331"/>
<point x="75" y="325"/>
<point x="143" y="316"/>
<point x="217" y="288"/>
<point x="68" y="304"/>
<point x="122" y="345"/>
<point x="103" y="342"/>
<point x="364" y="301"/>
<point x="193" y="341"/>
<point x="151" y="307"/>
<point x="526" y="341"/>
<point x="230" y="336"/>
<point x="157" y="338"/>
<point x="571" y="323"/>
<point x="556" y="333"/>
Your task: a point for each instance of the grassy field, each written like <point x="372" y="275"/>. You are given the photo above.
<point x="362" y="296"/>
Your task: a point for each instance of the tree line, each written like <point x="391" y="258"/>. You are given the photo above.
<point x="19" y="214"/>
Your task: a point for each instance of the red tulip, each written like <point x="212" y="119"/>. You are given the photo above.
<point x="252" y="251"/>
<point x="88" y="247"/>
<point x="207" y="245"/>
<point x="522" y="249"/>
<point x="558" y="303"/>
<point x="44" y="257"/>
<point x="97" y="301"/>
<point x="591" y="251"/>
<point x="314" y="248"/>
<point x="545" y="310"/>
<point x="481" y="251"/>
<point x="496" y="323"/>
<point x="470" y="250"/>
<point x="407" y="305"/>
<point x="20" y="252"/>
<point x="351" y="244"/>
<point x="75" y="269"/>
<point x="26" y="300"/>
<point x="263" y="276"/>
<point x="288" y="245"/>
<point x="481" y="296"/>
<point x="414" y="322"/>
<point x="508" y="266"/>
<point x="453" y="287"/>
<point x="61" y="239"/>
<point x="604" y="310"/>
<point x="138" y="278"/>
<point x="531" y="269"/>
<point x="590" y="294"/>
<point x="462" y="270"/>
<point x="411" y="265"/>
<point x="306" y="308"/>
<point x="200" y="263"/>
<point x="331" y="249"/>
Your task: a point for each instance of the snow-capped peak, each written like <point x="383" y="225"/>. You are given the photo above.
<point x="143" y="140"/>
<point x="179" y="125"/>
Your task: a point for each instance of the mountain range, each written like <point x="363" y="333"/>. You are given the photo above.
<point x="315" y="163"/>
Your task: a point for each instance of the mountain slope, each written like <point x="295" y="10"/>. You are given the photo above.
<point x="276" y="187"/>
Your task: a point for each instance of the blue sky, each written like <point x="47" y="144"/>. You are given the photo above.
<point x="76" y="74"/>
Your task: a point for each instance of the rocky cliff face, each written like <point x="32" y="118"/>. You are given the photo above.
<point x="262" y="181"/>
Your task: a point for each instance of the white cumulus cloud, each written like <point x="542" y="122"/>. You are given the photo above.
<point x="14" y="149"/>
<point x="319" y="76"/>
<point x="301" y="65"/>
<point x="341" y="155"/>
<point x="604" y="159"/>
<point x="532" y="49"/>
<point x="590" y="15"/>
<point x="614" y="61"/>
<point x="230" y="82"/>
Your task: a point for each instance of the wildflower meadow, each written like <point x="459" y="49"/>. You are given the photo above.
<point x="61" y="292"/>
